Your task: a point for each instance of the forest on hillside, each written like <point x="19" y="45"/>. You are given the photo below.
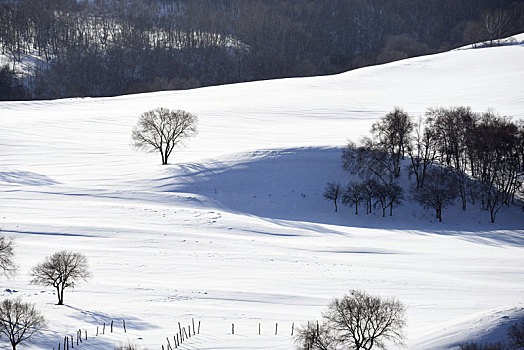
<point x="114" y="47"/>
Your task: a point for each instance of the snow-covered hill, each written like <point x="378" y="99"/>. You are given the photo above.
<point x="236" y="230"/>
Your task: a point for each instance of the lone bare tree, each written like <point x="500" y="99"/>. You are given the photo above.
<point x="356" y="321"/>
<point x="61" y="270"/>
<point x="162" y="129"/>
<point x="19" y="321"/>
<point x="7" y="266"/>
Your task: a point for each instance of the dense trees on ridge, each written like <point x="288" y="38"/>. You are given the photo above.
<point x="109" y="47"/>
<point x="453" y="153"/>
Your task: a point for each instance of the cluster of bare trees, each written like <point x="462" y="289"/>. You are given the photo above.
<point x="377" y="161"/>
<point x="109" y="47"/>
<point x="369" y="193"/>
<point x="492" y="26"/>
<point x="20" y="320"/>
<point x="451" y="153"/>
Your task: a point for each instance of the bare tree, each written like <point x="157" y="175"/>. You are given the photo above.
<point x="392" y="132"/>
<point x="61" y="270"/>
<point x="362" y="321"/>
<point x="439" y="191"/>
<point x="380" y="195"/>
<point x="7" y="265"/>
<point x="495" y="25"/>
<point x="368" y="193"/>
<point x="353" y="195"/>
<point x="162" y="129"/>
<point x="19" y="321"/>
<point x="356" y="321"/>
<point x="332" y="192"/>
<point x="369" y="161"/>
<point x="496" y="151"/>
<point x="387" y="196"/>
<point x="395" y="196"/>
<point x="314" y="336"/>
<point x="422" y="151"/>
<point x="453" y="128"/>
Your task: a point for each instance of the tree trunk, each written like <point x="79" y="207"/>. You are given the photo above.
<point x="463" y="194"/>
<point x="60" y="296"/>
<point x="356" y="208"/>
<point x="336" y="208"/>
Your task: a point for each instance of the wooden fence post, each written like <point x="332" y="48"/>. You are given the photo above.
<point x="198" y="327"/>
<point x="72" y="343"/>
<point x="292" y="328"/>
<point x="86" y="333"/>
<point x="276" y="328"/>
<point x="189" y="330"/>
<point x="232" y="328"/>
<point x="111" y="326"/>
<point x="258" y="328"/>
<point x="97" y="331"/>
<point x="124" y="321"/>
<point x="168" y="344"/>
<point x="180" y="331"/>
<point x="104" y="329"/>
<point x="193" y="322"/>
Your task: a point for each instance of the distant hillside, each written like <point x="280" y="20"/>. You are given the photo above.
<point x="71" y="48"/>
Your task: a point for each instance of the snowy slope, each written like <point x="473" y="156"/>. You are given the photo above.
<point x="236" y="230"/>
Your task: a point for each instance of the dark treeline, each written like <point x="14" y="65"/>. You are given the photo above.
<point x="452" y="153"/>
<point x="111" y="47"/>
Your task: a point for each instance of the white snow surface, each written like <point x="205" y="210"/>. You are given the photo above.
<point x="235" y="229"/>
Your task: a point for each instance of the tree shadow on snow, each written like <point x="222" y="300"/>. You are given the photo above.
<point x="287" y="185"/>
<point x="26" y="178"/>
<point x="97" y="318"/>
<point x="90" y="320"/>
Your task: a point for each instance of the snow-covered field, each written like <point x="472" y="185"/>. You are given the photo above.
<point x="235" y="230"/>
